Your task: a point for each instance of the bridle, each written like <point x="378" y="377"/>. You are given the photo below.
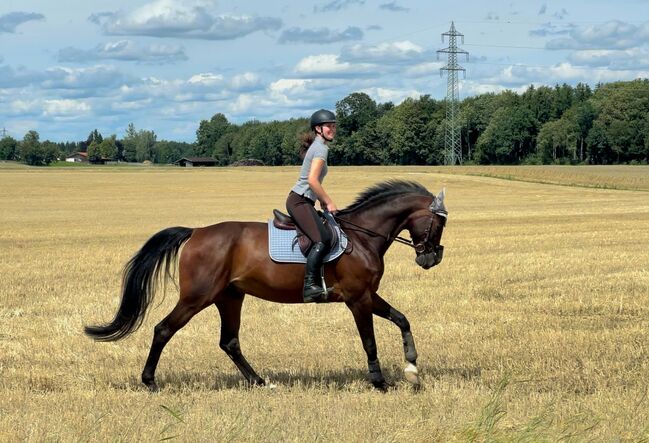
<point x="419" y="247"/>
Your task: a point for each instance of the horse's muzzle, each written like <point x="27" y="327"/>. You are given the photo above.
<point x="432" y="258"/>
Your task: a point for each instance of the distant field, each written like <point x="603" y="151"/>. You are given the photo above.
<point x="534" y="328"/>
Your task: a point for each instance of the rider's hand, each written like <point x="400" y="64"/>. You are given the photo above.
<point x="331" y="207"/>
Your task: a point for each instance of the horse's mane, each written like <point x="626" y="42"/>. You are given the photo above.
<point x="384" y="191"/>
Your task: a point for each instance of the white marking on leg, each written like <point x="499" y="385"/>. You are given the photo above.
<point x="412" y="374"/>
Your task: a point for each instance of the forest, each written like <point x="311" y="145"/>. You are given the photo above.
<point x="607" y="124"/>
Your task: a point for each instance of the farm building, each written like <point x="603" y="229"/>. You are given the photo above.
<point x="77" y="157"/>
<point x="190" y="162"/>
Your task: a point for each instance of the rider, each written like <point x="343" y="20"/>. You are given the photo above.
<point x="301" y="201"/>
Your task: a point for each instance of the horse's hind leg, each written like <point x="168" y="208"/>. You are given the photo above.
<point x="184" y="310"/>
<point x="229" y="306"/>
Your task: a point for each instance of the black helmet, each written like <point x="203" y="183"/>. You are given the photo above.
<point x="322" y="116"/>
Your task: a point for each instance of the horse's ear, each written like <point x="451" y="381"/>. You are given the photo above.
<point x="441" y="195"/>
<point x="438" y="202"/>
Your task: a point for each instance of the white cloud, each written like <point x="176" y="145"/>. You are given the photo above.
<point x="320" y="36"/>
<point x="386" y="53"/>
<point x="92" y="78"/>
<point x="424" y="69"/>
<point x="207" y="79"/>
<point x="66" y="108"/>
<point x="613" y="34"/>
<point x="330" y="65"/>
<point x="248" y="81"/>
<point x="190" y="19"/>
<point x="636" y="58"/>
<point x="124" y="50"/>
<point x="396" y="96"/>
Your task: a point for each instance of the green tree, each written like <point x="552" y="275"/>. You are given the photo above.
<point x="94" y="136"/>
<point x="509" y="137"/>
<point x="129" y="142"/>
<point x="353" y="112"/>
<point x="108" y="148"/>
<point x="209" y="132"/>
<point x="32" y="151"/>
<point x="144" y="143"/>
<point x="93" y="151"/>
<point x="557" y="141"/>
<point x="8" y="148"/>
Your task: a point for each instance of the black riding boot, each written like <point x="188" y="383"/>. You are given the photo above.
<point x="313" y="290"/>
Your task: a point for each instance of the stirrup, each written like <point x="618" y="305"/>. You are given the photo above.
<point x="320" y="296"/>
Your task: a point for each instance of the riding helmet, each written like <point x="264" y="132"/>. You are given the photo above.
<point x="322" y="116"/>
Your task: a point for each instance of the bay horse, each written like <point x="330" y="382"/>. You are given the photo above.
<point x="221" y="263"/>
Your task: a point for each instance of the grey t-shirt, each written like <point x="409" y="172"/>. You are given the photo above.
<point x="318" y="149"/>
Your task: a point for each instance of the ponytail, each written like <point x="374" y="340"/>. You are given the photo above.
<point x="305" y="139"/>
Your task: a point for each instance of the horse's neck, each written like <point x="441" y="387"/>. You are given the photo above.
<point x="388" y="219"/>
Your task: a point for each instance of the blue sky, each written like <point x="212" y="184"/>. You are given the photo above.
<point x="71" y="66"/>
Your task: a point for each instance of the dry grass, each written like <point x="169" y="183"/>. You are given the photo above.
<point x="534" y="328"/>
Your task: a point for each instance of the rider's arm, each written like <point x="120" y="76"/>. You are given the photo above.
<point x="314" y="183"/>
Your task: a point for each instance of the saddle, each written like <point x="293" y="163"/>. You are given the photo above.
<point x="285" y="222"/>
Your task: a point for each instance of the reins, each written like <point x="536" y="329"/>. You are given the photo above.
<point x="403" y="241"/>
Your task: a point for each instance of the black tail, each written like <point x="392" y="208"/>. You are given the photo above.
<point x="139" y="283"/>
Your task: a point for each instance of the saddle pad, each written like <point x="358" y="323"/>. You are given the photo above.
<point x="282" y="250"/>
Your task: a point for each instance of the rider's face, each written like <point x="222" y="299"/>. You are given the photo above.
<point x="328" y="131"/>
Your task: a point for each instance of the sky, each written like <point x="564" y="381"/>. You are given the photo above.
<point x="72" y="66"/>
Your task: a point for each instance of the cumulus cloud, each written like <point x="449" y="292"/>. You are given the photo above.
<point x="522" y="76"/>
<point x="549" y="29"/>
<point x="168" y="18"/>
<point x="613" y="34"/>
<point x="9" y="22"/>
<point x="392" y="6"/>
<point x="382" y="95"/>
<point x="320" y="35"/>
<point x="330" y="66"/>
<point x="635" y="58"/>
<point x="124" y="50"/>
<point x="65" y="108"/>
<point x="337" y="5"/>
<point x="90" y="79"/>
<point x="386" y="53"/>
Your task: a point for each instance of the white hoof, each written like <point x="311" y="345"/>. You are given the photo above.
<point x="412" y="375"/>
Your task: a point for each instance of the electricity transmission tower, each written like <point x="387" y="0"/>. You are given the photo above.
<point x="452" y="142"/>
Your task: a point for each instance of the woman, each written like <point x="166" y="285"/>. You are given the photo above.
<point x="301" y="201"/>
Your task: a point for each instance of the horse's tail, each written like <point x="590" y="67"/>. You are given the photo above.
<point x="139" y="283"/>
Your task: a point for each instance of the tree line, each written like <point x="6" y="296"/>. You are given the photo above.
<point x="543" y="125"/>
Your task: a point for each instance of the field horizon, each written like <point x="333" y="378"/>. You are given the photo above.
<point x="534" y="327"/>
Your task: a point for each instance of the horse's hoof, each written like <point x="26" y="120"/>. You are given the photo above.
<point x="152" y="386"/>
<point x="382" y="385"/>
<point x="412" y="375"/>
<point x="257" y="382"/>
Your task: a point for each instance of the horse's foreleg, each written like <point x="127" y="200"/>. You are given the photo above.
<point x="179" y="316"/>
<point x="362" y="311"/>
<point x="229" y="306"/>
<point x="383" y="309"/>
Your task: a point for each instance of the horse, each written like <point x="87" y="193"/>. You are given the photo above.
<point x="221" y="263"/>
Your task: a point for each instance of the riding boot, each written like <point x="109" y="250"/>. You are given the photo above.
<point x="313" y="290"/>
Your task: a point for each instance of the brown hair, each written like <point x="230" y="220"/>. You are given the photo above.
<point x="305" y="139"/>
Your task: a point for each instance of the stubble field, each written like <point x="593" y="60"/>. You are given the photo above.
<point x="535" y="327"/>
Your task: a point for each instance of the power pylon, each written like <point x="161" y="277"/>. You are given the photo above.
<point x="452" y="141"/>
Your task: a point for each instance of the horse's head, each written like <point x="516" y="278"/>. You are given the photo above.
<point x="426" y="227"/>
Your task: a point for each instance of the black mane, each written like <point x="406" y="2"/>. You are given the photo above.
<point x="384" y="191"/>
